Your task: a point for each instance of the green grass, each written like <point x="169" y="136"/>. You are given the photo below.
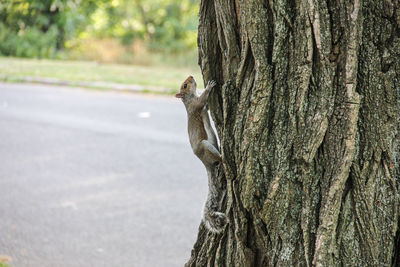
<point x="4" y="265"/>
<point x="165" y="78"/>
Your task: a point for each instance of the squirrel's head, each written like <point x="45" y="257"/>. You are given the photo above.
<point x="188" y="87"/>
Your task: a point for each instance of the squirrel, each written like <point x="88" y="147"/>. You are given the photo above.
<point x="204" y="144"/>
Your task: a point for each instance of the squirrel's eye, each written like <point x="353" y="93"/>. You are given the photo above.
<point x="185" y="85"/>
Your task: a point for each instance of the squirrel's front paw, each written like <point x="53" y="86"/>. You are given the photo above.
<point x="211" y="84"/>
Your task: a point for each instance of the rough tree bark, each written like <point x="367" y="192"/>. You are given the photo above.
<point x="309" y="122"/>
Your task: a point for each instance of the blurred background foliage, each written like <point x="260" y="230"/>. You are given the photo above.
<point x="123" y="31"/>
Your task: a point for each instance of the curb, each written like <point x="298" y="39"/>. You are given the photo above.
<point x="95" y="84"/>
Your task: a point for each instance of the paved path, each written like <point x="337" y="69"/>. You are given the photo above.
<point x="90" y="178"/>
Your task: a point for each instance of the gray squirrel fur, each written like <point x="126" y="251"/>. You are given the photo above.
<point x="204" y="144"/>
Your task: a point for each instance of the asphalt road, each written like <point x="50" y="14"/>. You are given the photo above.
<point x="91" y="178"/>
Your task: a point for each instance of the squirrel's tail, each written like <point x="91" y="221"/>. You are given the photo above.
<point x="213" y="220"/>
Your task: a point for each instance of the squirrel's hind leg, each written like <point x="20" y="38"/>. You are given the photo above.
<point x="214" y="220"/>
<point x="211" y="155"/>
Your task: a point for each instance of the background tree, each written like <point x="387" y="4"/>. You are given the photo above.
<point x="161" y="24"/>
<point x="36" y="28"/>
<point x="308" y="117"/>
<point x="43" y="28"/>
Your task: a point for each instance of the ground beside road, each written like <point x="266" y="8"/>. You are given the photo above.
<point x="162" y="79"/>
<point x="91" y="178"/>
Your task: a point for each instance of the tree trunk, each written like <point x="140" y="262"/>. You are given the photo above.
<point x="308" y="115"/>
